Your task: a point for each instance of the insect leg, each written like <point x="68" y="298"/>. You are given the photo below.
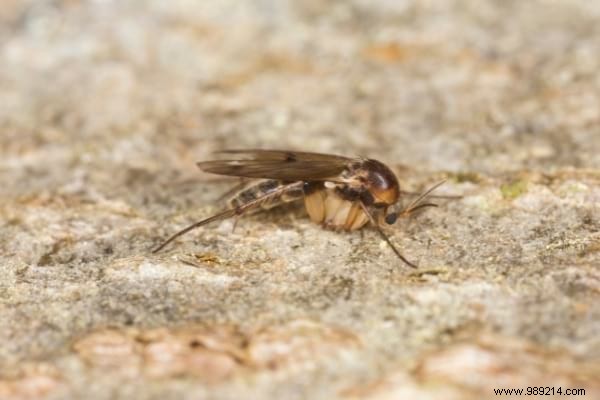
<point x="237" y="211"/>
<point x="235" y="222"/>
<point x="222" y="215"/>
<point x="384" y="236"/>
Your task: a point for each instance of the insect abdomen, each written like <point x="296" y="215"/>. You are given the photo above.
<point x="325" y="206"/>
<point x="253" y="192"/>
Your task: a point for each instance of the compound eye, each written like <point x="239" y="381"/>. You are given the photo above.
<point x="391" y="218"/>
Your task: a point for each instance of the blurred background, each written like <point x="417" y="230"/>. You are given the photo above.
<point x="450" y="85"/>
<point x="106" y="105"/>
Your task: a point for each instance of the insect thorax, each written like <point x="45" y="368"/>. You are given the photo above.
<point x="369" y="181"/>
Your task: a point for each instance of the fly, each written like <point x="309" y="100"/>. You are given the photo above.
<point x="339" y="193"/>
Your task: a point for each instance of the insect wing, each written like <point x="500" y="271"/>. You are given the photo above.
<point x="285" y="155"/>
<point x="279" y="165"/>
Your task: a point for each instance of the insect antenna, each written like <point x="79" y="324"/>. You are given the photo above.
<point x="433" y="196"/>
<point x="384" y="236"/>
<point x="418" y="207"/>
<point x="414" y="205"/>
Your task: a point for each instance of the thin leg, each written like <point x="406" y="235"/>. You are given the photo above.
<point x="237" y="211"/>
<point x="235" y="222"/>
<point x="384" y="236"/>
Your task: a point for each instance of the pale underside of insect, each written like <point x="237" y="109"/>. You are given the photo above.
<point x="339" y="193"/>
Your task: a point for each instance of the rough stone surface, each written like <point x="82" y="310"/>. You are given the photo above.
<point x="106" y="105"/>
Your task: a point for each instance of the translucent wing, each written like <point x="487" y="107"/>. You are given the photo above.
<point x="279" y="165"/>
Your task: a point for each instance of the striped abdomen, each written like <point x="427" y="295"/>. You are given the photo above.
<point x="258" y="189"/>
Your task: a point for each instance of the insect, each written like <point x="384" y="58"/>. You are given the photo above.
<point x="340" y="193"/>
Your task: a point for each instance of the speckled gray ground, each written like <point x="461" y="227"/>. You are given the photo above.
<point x="106" y="105"/>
